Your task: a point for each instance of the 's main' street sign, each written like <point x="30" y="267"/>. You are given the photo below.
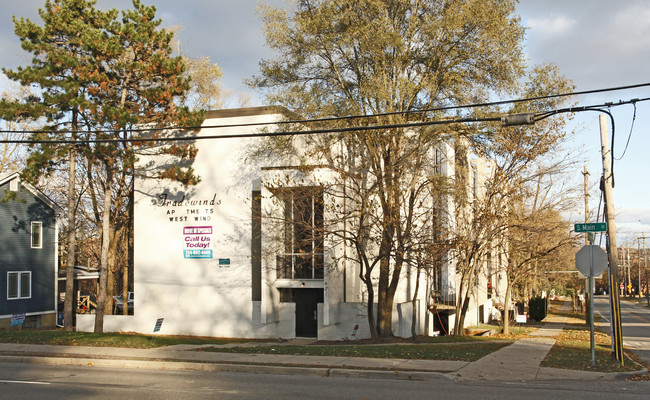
<point x="591" y="227"/>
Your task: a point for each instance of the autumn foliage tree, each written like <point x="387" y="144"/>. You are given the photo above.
<point x="520" y="159"/>
<point x="99" y="78"/>
<point x="63" y="50"/>
<point x="388" y="58"/>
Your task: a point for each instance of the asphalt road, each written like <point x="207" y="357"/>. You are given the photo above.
<point x="635" y="321"/>
<point x="25" y="381"/>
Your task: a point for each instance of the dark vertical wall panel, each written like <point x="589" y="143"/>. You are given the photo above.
<point x="256" y="246"/>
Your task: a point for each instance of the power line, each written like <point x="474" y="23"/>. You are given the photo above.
<point x="629" y="136"/>
<point x="258" y="134"/>
<point x="537" y="117"/>
<point x="350" y="117"/>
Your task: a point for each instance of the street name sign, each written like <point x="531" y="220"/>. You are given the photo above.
<point x="591" y="227"/>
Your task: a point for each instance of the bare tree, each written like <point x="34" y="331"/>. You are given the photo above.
<point x="337" y="58"/>
<point x="515" y="156"/>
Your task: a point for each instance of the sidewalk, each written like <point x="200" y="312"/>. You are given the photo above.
<point x="519" y="361"/>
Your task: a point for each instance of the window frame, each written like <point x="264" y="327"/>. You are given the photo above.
<point x="19" y="285"/>
<point x="302" y="241"/>
<point x="39" y="244"/>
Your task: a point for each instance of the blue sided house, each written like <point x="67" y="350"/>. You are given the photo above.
<point x="28" y="255"/>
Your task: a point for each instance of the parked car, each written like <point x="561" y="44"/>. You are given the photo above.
<point x="118" y="303"/>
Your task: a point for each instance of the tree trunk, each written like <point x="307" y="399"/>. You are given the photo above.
<point x="506" y="309"/>
<point x="371" y="309"/>
<point x="72" y="244"/>
<point x="103" y="270"/>
<point x="130" y="241"/>
<point x="110" y="282"/>
<point x="125" y="289"/>
<point x="384" y="301"/>
<point x="461" y="301"/>
<point x="113" y="265"/>
<point x="414" y="303"/>
<point x="461" y="317"/>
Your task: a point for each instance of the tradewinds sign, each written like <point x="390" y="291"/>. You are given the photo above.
<point x="196" y="242"/>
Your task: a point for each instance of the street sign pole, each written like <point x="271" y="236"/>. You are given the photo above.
<point x="591" y="261"/>
<point x="591" y="305"/>
<point x="590" y="228"/>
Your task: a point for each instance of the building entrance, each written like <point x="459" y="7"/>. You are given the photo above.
<point x="307" y="311"/>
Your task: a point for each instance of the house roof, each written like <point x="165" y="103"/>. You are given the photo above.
<point x="9" y="176"/>
<point x="80" y="272"/>
<point x="248" y="112"/>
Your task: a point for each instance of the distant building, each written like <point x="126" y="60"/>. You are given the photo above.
<point x="244" y="253"/>
<point x="29" y="255"/>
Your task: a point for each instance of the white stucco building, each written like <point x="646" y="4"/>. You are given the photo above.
<point x="242" y="253"/>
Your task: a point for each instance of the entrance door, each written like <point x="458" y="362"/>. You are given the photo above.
<point x="306" y="311"/>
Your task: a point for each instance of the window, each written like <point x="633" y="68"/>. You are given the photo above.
<point x="303" y="234"/>
<point x="37" y="235"/>
<point x="19" y="285"/>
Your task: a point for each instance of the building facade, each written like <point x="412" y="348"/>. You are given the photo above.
<point x="252" y="251"/>
<point x="29" y="255"/>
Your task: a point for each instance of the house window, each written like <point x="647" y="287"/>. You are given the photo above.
<point x="37" y="235"/>
<point x="302" y="234"/>
<point x="19" y="285"/>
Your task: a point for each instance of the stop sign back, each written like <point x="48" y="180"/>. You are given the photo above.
<point x="591" y="260"/>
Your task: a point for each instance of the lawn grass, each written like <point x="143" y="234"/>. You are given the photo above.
<point x="459" y="351"/>
<point x="466" y="348"/>
<point x="127" y="340"/>
<point x="572" y="349"/>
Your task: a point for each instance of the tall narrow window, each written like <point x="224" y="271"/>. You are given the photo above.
<point x="37" y="235"/>
<point x="303" y="234"/>
<point x="19" y="285"/>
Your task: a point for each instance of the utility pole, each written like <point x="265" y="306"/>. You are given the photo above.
<point x="629" y="275"/>
<point x="587" y="296"/>
<point x="617" y="337"/>
<point x="640" y="290"/>
<point x="645" y="267"/>
<point x="585" y="174"/>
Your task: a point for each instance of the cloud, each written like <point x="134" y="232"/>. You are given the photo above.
<point x="551" y="28"/>
<point x="598" y="45"/>
<point x="228" y="32"/>
<point x="631" y="26"/>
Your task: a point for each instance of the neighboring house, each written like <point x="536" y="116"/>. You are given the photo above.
<point x="28" y="253"/>
<point x="212" y="259"/>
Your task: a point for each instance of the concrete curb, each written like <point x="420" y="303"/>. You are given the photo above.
<point x="323" y="372"/>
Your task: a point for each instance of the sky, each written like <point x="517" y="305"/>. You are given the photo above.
<point x="596" y="43"/>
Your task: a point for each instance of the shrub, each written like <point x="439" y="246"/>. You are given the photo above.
<point x="537" y="307"/>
